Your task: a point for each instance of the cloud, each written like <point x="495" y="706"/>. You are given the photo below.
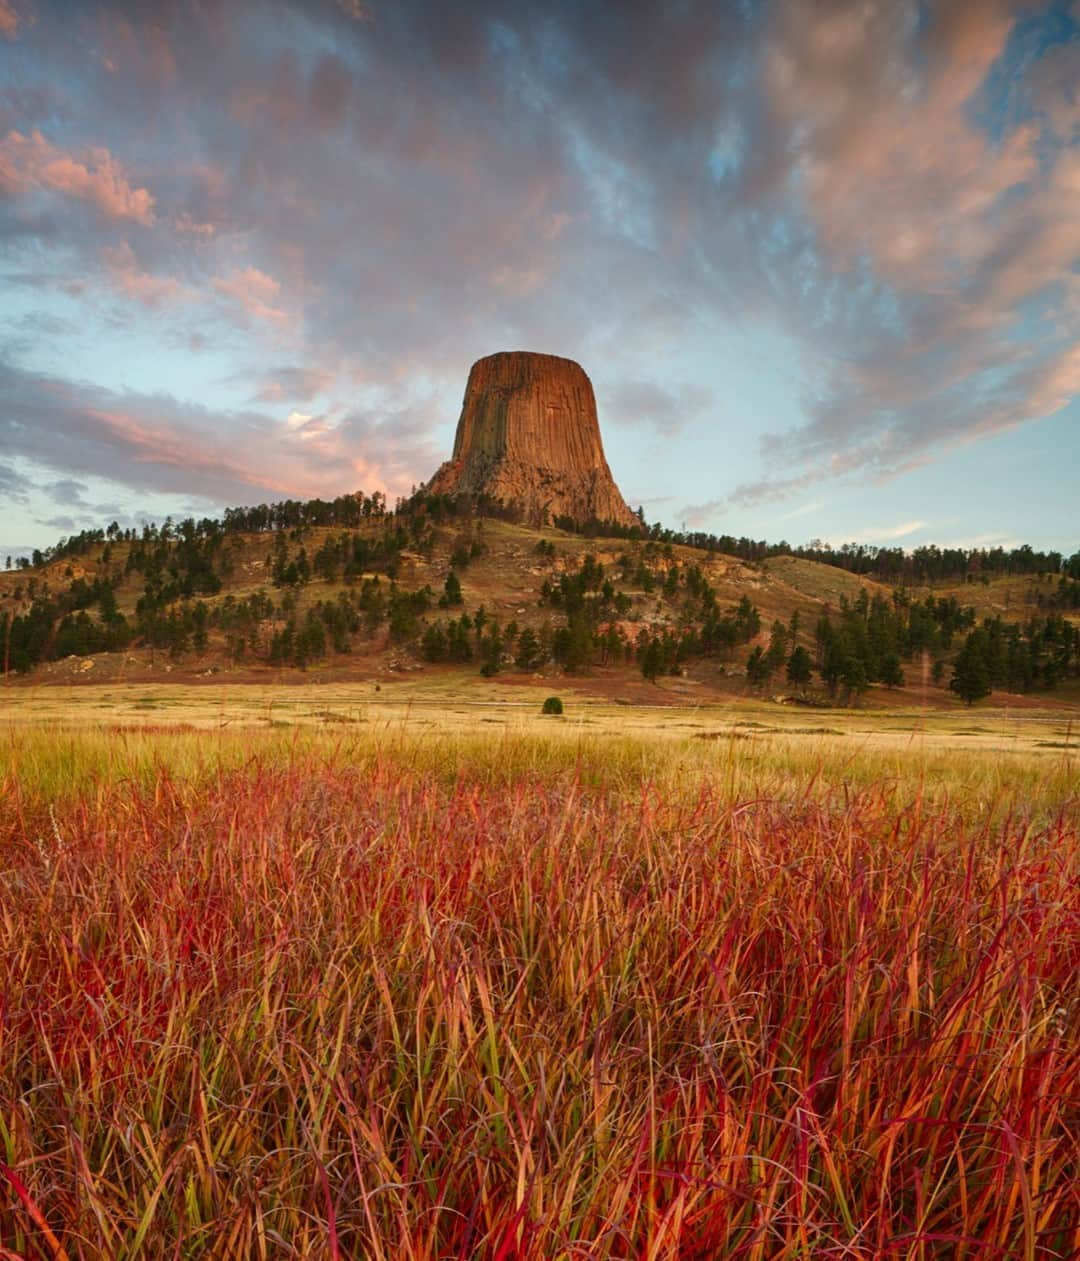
<point x="292" y="383"/>
<point x="667" y="408"/>
<point x="803" y="510"/>
<point x="254" y="292"/>
<point x="945" y="255"/>
<point x="752" y="494"/>
<point x="62" y="523"/>
<point x="886" y="533"/>
<point x="889" y="188"/>
<point x="186" y="225"/>
<point x="29" y="162"/>
<point x="124" y="273"/>
<point x="697" y="516"/>
<point x="354" y="9"/>
<point x="329" y="87"/>
<point x="519" y="282"/>
<point x="13" y="484"/>
<point x="9" y="20"/>
<point x="67" y="491"/>
<point x="156" y="443"/>
<point x="304" y="426"/>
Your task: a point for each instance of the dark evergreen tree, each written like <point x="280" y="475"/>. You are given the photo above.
<point x="652" y="659"/>
<point x="853" y="676"/>
<point x="528" y="650"/>
<point x="799" y="668"/>
<point x="971" y="679"/>
<point x="451" y="592"/>
<point x="891" y="671"/>
<point x="757" y="668"/>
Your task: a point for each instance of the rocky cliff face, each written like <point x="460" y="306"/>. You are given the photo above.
<point x="528" y="435"/>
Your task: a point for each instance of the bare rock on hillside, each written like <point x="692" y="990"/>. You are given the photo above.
<point x="529" y="436"/>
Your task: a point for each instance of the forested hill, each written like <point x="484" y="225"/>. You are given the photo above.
<point x="894" y="565"/>
<point x="353" y="584"/>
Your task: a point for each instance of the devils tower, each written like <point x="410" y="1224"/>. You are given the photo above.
<point x="529" y="436"/>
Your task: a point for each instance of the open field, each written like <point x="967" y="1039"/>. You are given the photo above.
<point x="330" y="972"/>
<point x="975" y="754"/>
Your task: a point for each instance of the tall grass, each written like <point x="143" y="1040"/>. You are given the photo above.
<point x="58" y="762"/>
<point x="409" y="1000"/>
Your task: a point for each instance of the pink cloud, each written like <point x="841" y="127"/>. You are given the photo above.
<point x="28" y="162"/>
<point x="889" y="161"/>
<point x="305" y="426"/>
<point x="519" y="282"/>
<point x="187" y="226"/>
<point x="142" y="51"/>
<point x="9" y="20"/>
<point x="967" y="233"/>
<point x="553" y="226"/>
<point x="355" y="10"/>
<point x="157" y="443"/>
<point x="124" y="273"/>
<point x="154" y="444"/>
<point x="1059" y="384"/>
<point x="289" y="382"/>
<point x="1055" y="88"/>
<point x="254" y="292"/>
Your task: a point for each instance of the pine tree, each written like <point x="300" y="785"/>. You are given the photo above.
<point x="757" y="668"/>
<point x="853" y="676"/>
<point x="971" y="671"/>
<point x="777" y="653"/>
<point x="528" y="650"/>
<point x="652" y="660"/>
<point x="892" y="673"/>
<point x="798" y="668"/>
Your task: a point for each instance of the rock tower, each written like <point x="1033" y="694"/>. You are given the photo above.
<point x="529" y="436"/>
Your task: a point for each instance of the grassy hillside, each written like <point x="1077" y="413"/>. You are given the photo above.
<point x="1013" y="597"/>
<point x="406" y="592"/>
<point x="504" y="574"/>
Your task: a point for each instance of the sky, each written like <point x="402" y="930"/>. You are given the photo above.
<point x="820" y="258"/>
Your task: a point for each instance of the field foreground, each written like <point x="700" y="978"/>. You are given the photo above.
<point x="272" y="994"/>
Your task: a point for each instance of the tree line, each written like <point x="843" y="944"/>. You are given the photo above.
<point x="894" y="565"/>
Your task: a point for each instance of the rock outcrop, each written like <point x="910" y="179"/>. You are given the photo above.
<point x="529" y="436"/>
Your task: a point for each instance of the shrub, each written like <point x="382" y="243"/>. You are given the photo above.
<point x="552" y="706"/>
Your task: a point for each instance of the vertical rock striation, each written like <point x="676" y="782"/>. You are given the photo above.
<point x="529" y="436"/>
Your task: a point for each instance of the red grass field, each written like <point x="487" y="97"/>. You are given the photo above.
<point x="321" y="1008"/>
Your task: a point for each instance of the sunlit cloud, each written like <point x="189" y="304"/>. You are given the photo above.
<point x="9" y="20"/>
<point x="804" y="510"/>
<point x="254" y="292"/>
<point x="966" y="230"/>
<point x="885" y="533"/>
<point x="32" y="162"/>
<point x="332" y="215"/>
<point x="157" y="443"/>
<point x="125" y="274"/>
